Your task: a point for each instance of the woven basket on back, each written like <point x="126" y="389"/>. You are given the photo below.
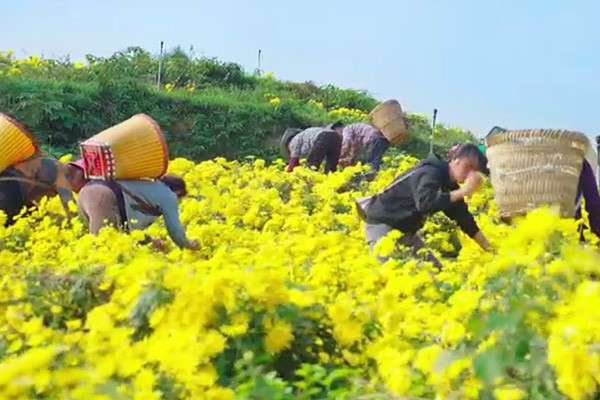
<point x="16" y="144"/>
<point x="133" y="149"/>
<point x="535" y="168"/>
<point x="389" y="119"/>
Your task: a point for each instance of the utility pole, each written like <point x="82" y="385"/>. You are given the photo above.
<point x="259" y="53"/>
<point x="160" y="57"/>
<point x="432" y="131"/>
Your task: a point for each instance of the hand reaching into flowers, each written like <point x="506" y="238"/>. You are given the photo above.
<point x="483" y="242"/>
<point x="193" y="244"/>
<point x="159" y="244"/>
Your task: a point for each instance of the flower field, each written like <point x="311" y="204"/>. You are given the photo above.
<point x="283" y="301"/>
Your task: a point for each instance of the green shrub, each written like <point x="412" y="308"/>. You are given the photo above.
<point x="206" y="107"/>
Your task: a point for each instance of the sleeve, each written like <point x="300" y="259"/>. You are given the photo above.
<point x="427" y="191"/>
<point x="295" y="146"/>
<point x="348" y="138"/>
<point x="170" y="211"/>
<point x="63" y="187"/>
<point x="459" y="213"/>
<point x="591" y="196"/>
<point x="293" y="163"/>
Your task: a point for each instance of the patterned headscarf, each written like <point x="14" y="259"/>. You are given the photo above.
<point x="78" y="163"/>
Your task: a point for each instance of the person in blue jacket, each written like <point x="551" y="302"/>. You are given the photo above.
<point x="135" y="204"/>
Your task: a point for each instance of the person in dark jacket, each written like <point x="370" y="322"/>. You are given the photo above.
<point x="24" y="184"/>
<point x="429" y="187"/>
<point x="587" y="190"/>
<point x="11" y="196"/>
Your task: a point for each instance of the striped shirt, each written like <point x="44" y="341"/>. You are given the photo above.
<point x="303" y="142"/>
<point x="355" y="137"/>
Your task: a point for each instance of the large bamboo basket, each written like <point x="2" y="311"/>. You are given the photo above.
<point x="388" y="117"/>
<point x="133" y="149"/>
<point x="535" y="168"/>
<point x="16" y="144"/>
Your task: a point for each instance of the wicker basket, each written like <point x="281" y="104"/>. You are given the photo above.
<point x="133" y="149"/>
<point x="16" y="144"/>
<point x="389" y="119"/>
<point x="535" y="168"/>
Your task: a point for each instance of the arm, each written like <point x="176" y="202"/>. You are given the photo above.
<point x="459" y="213"/>
<point x="429" y="198"/>
<point x="294" y="150"/>
<point x="63" y="187"/>
<point x="170" y="211"/>
<point x="348" y="149"/>
<point x="293" y="163"/>
<point x="482" y="241"/>
<point x="428" y="193"/>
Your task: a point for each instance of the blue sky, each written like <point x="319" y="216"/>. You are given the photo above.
<point x="518" y="64"/>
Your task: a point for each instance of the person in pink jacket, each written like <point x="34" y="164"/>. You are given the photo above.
<point x="363" y="137"/>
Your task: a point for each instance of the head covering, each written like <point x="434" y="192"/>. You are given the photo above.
<point x="334" y="125"/>
<point x="288" y="135"/>
<point x="78" y="163"/>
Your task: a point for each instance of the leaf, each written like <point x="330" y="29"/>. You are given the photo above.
<point x="498" y="321"/>
<point x="522" y="349"/>
<point x="338" y="374"/>
<point x="489" y="365"/>
<point x="148" y="301"/>
<point x="444" y="360"/>
<point x="475" y="324"/>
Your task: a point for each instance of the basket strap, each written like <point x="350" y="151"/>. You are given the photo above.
<point x="363" y="202"/>
<point x="25" y="180"/>
<point x="144" y="206"/>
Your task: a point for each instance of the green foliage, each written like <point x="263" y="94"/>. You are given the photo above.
<point x="418" y="145"/>
<point x="314" y="381"/>
<point x="139" y="318"/>
<point x="206" y="107"/>
<point x="75" y="294"/>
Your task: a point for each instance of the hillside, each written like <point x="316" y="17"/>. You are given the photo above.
<point x="206" y="107"/>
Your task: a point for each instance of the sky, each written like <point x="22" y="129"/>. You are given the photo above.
<point x="515" y="63"/>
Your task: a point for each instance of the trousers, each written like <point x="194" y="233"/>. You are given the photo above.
<point x="374" y="232"/>
<point x="328" y="147"/>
